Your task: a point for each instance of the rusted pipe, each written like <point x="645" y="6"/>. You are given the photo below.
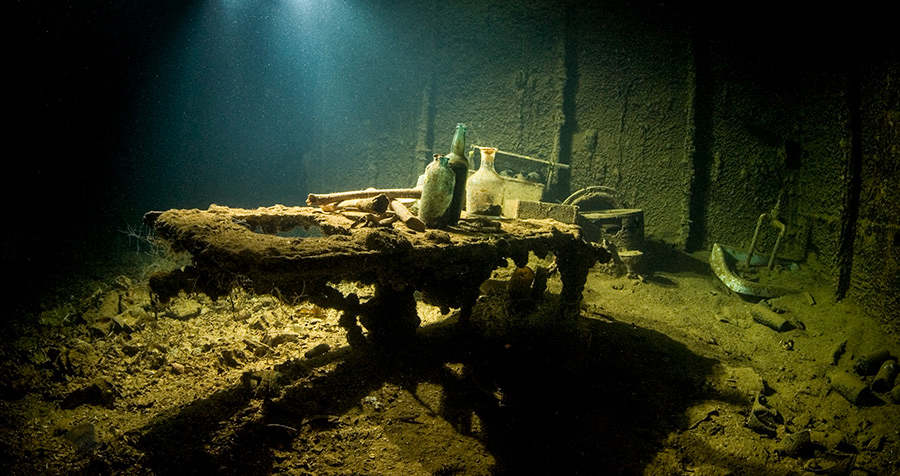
<point x="319" y="199"/>
<point x="411" y="220"/>
<point x="782" y="229"/>
<point x="377" y="204"/>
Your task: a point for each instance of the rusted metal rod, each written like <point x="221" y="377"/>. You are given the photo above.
<point x="377" y="205"/>
<point x="782" y="229"/>
<point x="319" y="199"/>
<point x="411" y="220"/>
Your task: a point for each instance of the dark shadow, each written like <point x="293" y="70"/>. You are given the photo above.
<point x="180" y="443"/>
<point x="665" y="258"/>
<point x="582" y="396"/>
<point x="575" y="396"/>
<point x="661" y="281"/>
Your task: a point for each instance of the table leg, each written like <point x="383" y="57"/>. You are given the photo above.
<point x="574" y="264"/>
<point x="391" y="315"/>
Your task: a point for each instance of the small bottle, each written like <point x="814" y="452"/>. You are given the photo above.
<point x="437" y="192"/>
<point x="484" y="190"/>
<point x="459" y="164"/>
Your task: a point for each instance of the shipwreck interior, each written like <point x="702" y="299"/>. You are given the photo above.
<point x="228" y="259"/>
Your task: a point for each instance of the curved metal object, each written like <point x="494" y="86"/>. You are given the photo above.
<point x="592" y="192"/>
<point x="720" y="260"/>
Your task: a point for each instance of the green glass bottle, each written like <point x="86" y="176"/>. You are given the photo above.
<point x="459" y="164"/>
<point x="437" y="192"/>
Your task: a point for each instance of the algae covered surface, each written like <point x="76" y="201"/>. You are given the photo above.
<point x="662" y="374"/>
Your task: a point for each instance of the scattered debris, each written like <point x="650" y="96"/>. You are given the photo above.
<point x="699" y="414"/>
<point x="884" y="379"/>
<point x="83" y="437"/>
<point x="771" y="319"/>
<point x="316" y="351"/>
<point x="810" y="300"/>
<point x="183" y="309"/>
<point x="320" y="419"/>
<point x="263" y="383"/>
<point x="895" y="394"/>
<point x="278" y="338"/>
<point x="869" y="364"/>
<point x="763" y="419"/>
<point x="794" y="445"/>
<point x="373" y="401"/>
<point x="840" y="465"/>
<point x="100" y="393"/>
<point x="848" y="386"/>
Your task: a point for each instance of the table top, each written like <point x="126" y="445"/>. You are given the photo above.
<point x="247" y="242"/>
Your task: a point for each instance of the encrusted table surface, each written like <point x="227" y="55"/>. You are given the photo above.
<point x="233" y="247"/>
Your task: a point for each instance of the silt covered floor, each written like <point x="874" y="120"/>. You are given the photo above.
<point x="666" y="374"/>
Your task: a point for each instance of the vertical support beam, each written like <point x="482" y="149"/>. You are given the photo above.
<point x="852" y="176"/>
<point x="562" y="147"/>
<point x="699" y="143"/>
<point x="425" y="129"/>
<point x="425" y="126"/>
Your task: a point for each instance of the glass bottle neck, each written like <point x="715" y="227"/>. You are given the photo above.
<point x="487" y="158"/>
<point x="458" y="146"/>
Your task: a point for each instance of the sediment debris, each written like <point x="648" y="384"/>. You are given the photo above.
<point x="884" y="379"/>
<point x="794" y="445"/>
<point x="848" y="386"/>
<point x="763" y="419"/>
<point x="83" y="437"/>
<point x="869" y="364"/>
<point x="316" y="351"/>
<point x="769" y="318"/>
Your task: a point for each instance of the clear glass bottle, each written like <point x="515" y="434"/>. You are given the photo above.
<point x="459" y="164"/>
<point x="484" y="189"/>
<point x="437" y="192"/>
